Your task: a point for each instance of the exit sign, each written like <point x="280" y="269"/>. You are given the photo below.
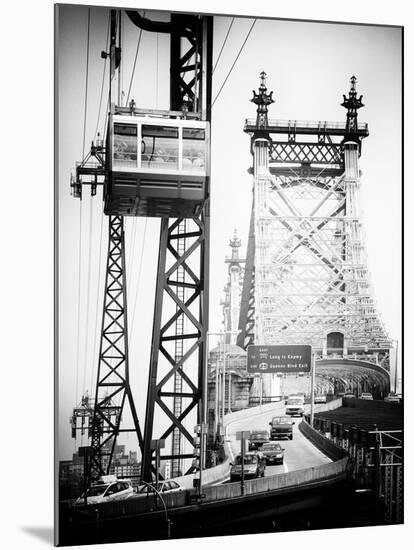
<point x="278" y="359"/>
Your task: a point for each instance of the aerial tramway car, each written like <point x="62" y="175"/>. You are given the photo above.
<point x="157" y="165"/>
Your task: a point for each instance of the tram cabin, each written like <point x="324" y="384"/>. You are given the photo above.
<point x="157" y="167"/>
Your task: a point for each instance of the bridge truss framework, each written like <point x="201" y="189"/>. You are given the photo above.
<point x="308" y="274"/>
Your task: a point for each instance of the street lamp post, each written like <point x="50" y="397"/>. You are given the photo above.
<point x="220" y="378"/>
<point x="159" y="495"/>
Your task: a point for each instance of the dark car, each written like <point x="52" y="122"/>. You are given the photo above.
<point x="281" y="426"/>
<point x="254" y="466"/>
<point x="273" y="452"/>
<point x="257" y="439"/>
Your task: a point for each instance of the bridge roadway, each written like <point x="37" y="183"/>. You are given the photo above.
<point x="313" y="492"/>
<point x="299" y="452"/>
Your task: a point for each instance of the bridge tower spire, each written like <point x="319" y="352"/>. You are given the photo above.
<point x="232" y="290"/>
<point x="352" y="103"/>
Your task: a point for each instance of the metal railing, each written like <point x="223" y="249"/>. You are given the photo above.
<point x="321" y="125"/>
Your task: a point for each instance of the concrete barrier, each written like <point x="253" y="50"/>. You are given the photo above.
<point x="292" y="479"/>
<point x="328" y="447"/>
<point x="279" y="481"/>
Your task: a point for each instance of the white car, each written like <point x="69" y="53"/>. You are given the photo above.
<point x="106" y="492"/>
<point x="167" y="486"/>
<point x="320" y="398"/>
<point x="367" y="396"/>
<point x="392" y="398"/>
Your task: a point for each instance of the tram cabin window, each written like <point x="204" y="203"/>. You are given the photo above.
<point x="159" y="147"/>
<point x="194" y="149"/>
<point x="125" y="145"/>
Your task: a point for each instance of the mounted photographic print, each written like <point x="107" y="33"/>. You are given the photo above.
<point x="228" y="275"/>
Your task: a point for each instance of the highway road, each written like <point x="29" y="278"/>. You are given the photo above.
<point x="299" y="453"/>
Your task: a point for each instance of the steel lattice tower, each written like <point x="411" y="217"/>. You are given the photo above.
<point x="112" y="383"/>
<point x="310" y="280"/>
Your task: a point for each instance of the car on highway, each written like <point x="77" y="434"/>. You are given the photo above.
<point x="350" y="396"/>
<point x="257" y="439"/>
<point x="253" y="465"/>
<point x="281" y="426"/>
<point x="392" y="398"/>
<point x="166" y="486"/>
<point x="367" y="396"/>
<point x="320" y="398"/>
<point x="106" y="491"/>
<point x="273" y="452"/>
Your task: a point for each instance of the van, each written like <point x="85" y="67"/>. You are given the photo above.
<point x="295" y="405"/>
<point x="281" y="426"/>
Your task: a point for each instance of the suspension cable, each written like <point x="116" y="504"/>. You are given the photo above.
<point x="234" y="63"/>
<point x="103" y="78"/>
<point x="224" y="43"/>
<point x="86" y="84"/>
<point x="135" y="62"/>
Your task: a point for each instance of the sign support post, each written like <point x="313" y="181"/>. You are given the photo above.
<point x="241" y="435"/>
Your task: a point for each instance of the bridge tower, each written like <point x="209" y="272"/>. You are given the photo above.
<point x="308" y="271"/>
<point x="232" y="290"/>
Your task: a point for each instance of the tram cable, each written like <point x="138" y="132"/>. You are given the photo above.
<point x="234" y="63"/>
<point x="95" y="339"/>
<point x="135" y="62"/>
<point x="85" y="364"/>
<point x="131" y="248"/>
<point x="103" y="78"/>
<point x="224" y="43"/>
<point x="79" y="300"/>
<point x="86" y="84"/>
<point x="139" y="276"/>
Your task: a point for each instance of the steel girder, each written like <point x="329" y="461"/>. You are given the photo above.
<point x="176" y="469"/>
<point x="312" y="269"/>
<point x="113" y="396"/>
<point x="246" y="316"/>
<point x="185" y="300"/>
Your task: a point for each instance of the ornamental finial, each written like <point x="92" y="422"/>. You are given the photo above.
<point x="262" y="100"/>
<point x="235" y="244"/>
<point x="352" y="103"/>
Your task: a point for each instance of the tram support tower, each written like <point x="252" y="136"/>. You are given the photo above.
<point x="308" y="272"/>
<point x="156" y="163"/>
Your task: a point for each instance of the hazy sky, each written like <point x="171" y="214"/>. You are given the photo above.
<point x="308" y="67"/>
